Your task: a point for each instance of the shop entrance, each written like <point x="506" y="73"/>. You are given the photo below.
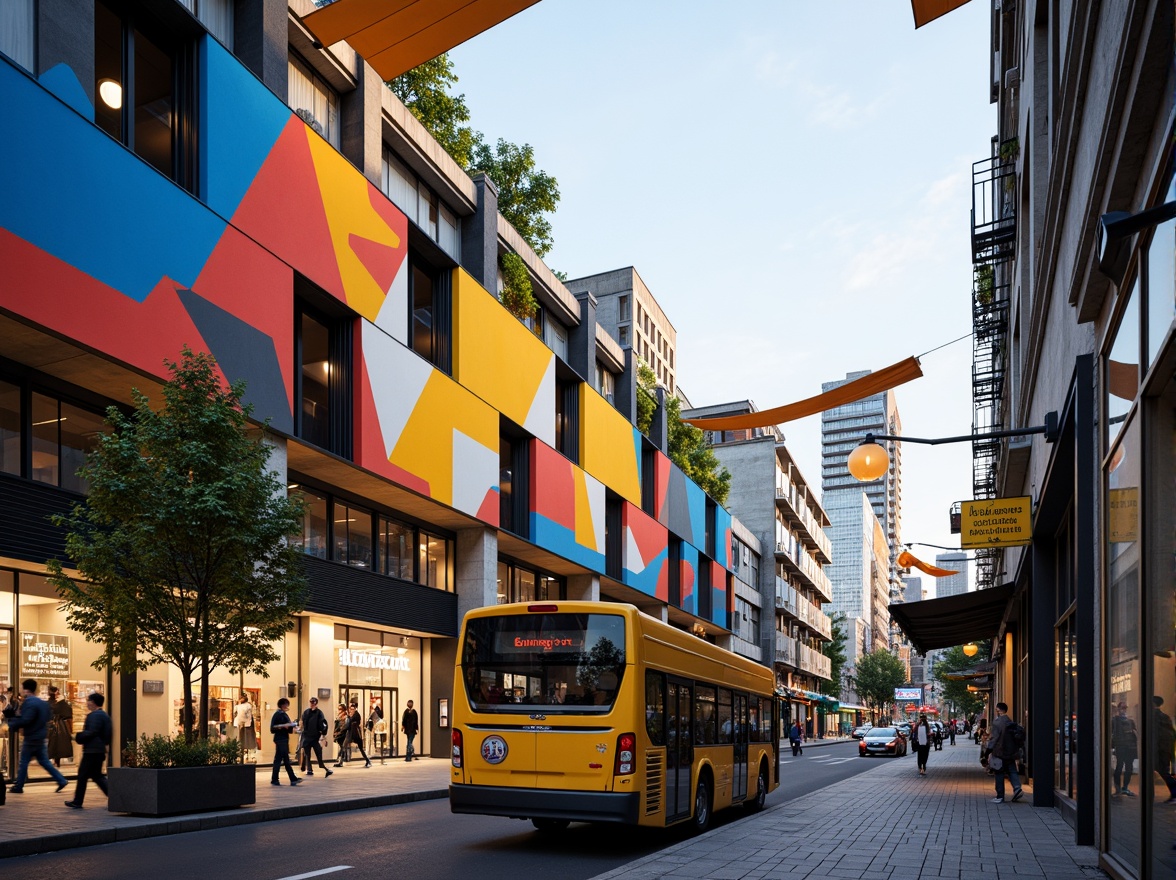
<point x="7" y="742"/>
<point x="379" y="707"/>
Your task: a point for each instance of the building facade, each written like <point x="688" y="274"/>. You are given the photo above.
<point x="952" y="584"/>
<point x="252" y="194"/>
<point x="859" y="573"/>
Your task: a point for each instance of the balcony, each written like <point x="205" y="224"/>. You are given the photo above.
<point x="786" y="652"/>
<point x="803" y="564"/>
<point x="994" y="216"/>
<point x="814" y="662"/>
<point x="797" y="513"/>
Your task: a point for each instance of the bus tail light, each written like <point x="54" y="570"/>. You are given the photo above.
<point x="456" y="750"/>
<point x="542" y="609"/>
<point x="626" y="748"/>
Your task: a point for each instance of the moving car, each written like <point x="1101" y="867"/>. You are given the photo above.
<point x="861" y="731"/>
<point x="882" y="741"/>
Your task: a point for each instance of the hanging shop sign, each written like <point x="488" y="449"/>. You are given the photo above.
<point x="44" y="655"/>
<point x="997" y="522"/>
<point x="373" y="660"/>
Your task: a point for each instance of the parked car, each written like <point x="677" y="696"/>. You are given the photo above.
<point x="859" y="732"/>
<point x="904" y="727"/>
<point x="882" y="741"/>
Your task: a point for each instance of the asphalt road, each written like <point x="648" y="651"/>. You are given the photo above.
<point x="422" y="841"/>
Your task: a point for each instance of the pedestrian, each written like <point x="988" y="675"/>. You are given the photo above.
<point x="243" y="721"/>
<point x="922" y="738"/>
<point x="95" y="737"/>
<point x="409" y="724"/>
<point x="981" y="733"/>
<point x="34" y="721"/>
<point x="795" y="738"/>
<point x="314" y="731"/>
<point x="61" y="735"/>
<point x="937" y="735"/>
<point x="951" y="731"/>
<point x="375" y="729"/>
<point x="280" y="727"/>
<point x="1004" y="752"/>
<point x="1165" y="740"/>
<point x="340" y="735"/>
<point x="1125" y="745"/>
<point x="353" y="736"/>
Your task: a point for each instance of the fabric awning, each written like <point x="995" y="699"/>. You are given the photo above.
<point x="929" y="10"/>
<point x="394" y="36"/>
<point x="953" y="620"/>
<point x="866" y="386"/>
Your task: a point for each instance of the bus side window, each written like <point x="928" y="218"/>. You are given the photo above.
<point x="726" y="724"/>
<point x="655" y="707"/>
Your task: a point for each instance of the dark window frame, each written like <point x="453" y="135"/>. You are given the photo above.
<point x="340" y="389"/>
<point x="427" y="257"/>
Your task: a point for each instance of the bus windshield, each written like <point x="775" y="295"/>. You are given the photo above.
<point x="523" y="661"/>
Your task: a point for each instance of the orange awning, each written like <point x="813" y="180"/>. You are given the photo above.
<point x="882" y="380"/>
<point x="394" y="36"/>
<point x="929" y="10"/>
<point x="907" y="560"/>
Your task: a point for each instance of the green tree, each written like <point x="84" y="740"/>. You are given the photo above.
<point x="877" y="676"/>
<point x="525" y="193"/>
<point x="646" y="402"/>
<point x="424" y="90"/>
<point x="834" y="649"/>
<point x="963" y="701"/>
<point x="517" y="294"/>
<point x="181" y="544"/>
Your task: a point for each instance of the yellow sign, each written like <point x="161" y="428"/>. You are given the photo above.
<point x="998" y="522"/>
<point x="1123" y="515"/>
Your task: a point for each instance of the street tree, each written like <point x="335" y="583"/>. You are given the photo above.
<point x="955" y="693"/>
<point x="424" y="90"/>
<point x="834" y="649"/>
<point x="878" y="674"/>
<point x="181" y="546"/>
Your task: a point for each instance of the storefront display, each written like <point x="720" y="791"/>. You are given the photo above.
<point x="378" y="673"/>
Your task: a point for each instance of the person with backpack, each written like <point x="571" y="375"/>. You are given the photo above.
<point x="314" y="729"/>
<point x="1005" y="740"/>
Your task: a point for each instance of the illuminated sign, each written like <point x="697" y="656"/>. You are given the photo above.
<point x="372" y="660"/>
<point x="1123" y="515"/>
<point x="550" y="642"/>
<point x="44" y="655"/>
<point x="908" y="695"/>
<point x="997" y="522"/>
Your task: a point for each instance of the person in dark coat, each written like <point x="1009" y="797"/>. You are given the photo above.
<point x="314" y="728"/>
<point x="95" y="738"/>
<point x="34" y="721"/>
<point x="353" y="736"/>
<point x="61" y="735"/>
<point x="410" y="724"/>
<point x="280" y="727"/>
<point x="795" y="738"/>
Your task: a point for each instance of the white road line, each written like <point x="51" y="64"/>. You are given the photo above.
<point x="318" y="873"/>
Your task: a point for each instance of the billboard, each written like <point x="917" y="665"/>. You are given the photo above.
<point x="908" y="695"/>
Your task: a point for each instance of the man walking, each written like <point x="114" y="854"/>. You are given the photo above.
<point x="1125" y="744"/>
<point x="795" y="738"/>
<point x="280" y="727"/>
<point x="96" y="735"/>
<point x="1165" y="744"/>
<point x="410" y="724"/>
<point x="951" y="731"/>
<point x="34" y="720"/>
<point x="1003" y="751"/>
<point x="314" y="728"/>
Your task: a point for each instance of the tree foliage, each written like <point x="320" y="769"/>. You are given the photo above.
<point x="525" y="193"/>
<point x="517" y="294"/>
<point x="646" y="402"/>
<point x="962" y="701"/>
<point x="181" y="543"/>
<point x="877" y="675"/>
<point x="835" y="651"/>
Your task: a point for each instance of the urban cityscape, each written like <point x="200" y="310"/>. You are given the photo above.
<point x="499" y="474"/>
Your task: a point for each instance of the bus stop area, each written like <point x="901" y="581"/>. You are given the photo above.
<point x="888" y="822"/>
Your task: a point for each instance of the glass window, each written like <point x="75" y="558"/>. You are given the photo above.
<point x="1161" y="281"/>
<point x="623" y="336"/>
<point x="394" y="549"/>
<point x="79" y="432"/>
<point x="556" y="338"/>
<point x="623" y="308"/>
<point x="655" y="707"/>
<point x="427" y="213"/>
<point x="353" y="536"/>
<point x="434" y="569"/>
<point x="449" y="234"/>
<point x="62" y="435"/>
<point x="316" y="369"/>
<point x="524" y="586"/>
<point x="216" y="15"/>
<point x="422" y="312"/>
<point x="313" y="541"/>
<point x="17" y="31"/>
<point x="1122" y="380"/>
<point x="726" y="731"/>
<point x="705" y="723"/>
<point x="399" y="184"/>
<point x="313" y="100"/>
<point x="11" y="422"/>
<point x="503" y="591"/>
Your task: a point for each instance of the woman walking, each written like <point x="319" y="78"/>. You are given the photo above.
<point x="921" y="737"/>
<point x="61" y="735"/>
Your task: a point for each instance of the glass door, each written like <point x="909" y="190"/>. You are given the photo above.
<point x="379" y="712"/>
<point x="679" y="749"/>
<point x="739" y="770"/>
<point x="7" y="742"/>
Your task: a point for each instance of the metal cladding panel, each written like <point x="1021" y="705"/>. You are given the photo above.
<point x="689" y="578"/>
<point x="338" y="591"/>
<point x="25" y="530"/>
<point x="684" y="512"/>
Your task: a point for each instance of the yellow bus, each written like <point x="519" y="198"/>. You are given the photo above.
<point x="594" y="711"/>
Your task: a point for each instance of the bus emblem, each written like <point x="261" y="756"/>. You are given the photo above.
<point x="493" y="750"/>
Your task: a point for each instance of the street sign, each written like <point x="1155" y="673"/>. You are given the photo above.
<point x="997" y="522"/>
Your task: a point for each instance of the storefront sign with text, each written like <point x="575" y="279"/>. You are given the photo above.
<point x="44" y="655"/>
<point x="996" y="522"/>
<point x="372" y="660"/>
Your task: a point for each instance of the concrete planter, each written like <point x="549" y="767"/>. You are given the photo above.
<point x="177" y="790"/>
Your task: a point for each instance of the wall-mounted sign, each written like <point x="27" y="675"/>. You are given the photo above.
<point x="997" y="522"/>
<point x="1123" y="515"/>
<point x="44" y="655"/>
<point x="152" y="686"/>
<point x="372" y="660"/>
<point x="908" y="695"/>
<point x="324" y="694"/>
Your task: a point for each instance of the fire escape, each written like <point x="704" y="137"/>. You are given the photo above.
<point x="994" y="239"/>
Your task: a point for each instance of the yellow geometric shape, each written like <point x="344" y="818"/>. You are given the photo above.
<point x="585" y="533"/>
<point x="609" y="446"/>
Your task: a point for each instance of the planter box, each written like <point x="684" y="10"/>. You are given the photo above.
<point x="176" y="790"/>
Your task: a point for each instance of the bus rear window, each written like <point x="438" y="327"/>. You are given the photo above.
<point x="523" y="661"/>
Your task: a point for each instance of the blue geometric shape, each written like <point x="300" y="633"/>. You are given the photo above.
<point x="559" y="539"/>
<point x="61" y="80"/>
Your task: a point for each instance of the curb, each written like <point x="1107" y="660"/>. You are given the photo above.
<point x="185" y="824"/>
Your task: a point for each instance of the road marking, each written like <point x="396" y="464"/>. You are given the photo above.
<point x="317" y="873"/>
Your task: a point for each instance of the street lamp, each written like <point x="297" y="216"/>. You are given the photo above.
<point x="869" y="461"/>
<point x="970" y="649"/>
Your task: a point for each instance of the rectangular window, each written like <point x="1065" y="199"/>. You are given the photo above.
<point x="216" y="15"/>
<point x="567" y="418"/>
<point x="420" y="204"/>
<point x="513" y="481"/>
<point x="613" y="536"/>
<point x="524" y="586"/>
<point x="394" y="549"/>
<point x="313" y="100"/>
<point x="517" y="584"/>
<point x="430" y="303"/>
<point x="17" y="31"/>
<point x="1161" y="282"/>
<point x="623" y="336"/>
<point x="150" y="109"/>
<point x="62" y="434"/>
<point x="11" y="425"/>
<point x="399" y="184"/>
<point x="323" y="379"/>
<point x="435" y="556"/>
<point x="705" y="721"/>
<point x="353" y="536"/>
<point x="726" y="731"/>
<point x="556" y="338"/>
<point x="313" y="541"/>
<point x="623" y="308"/>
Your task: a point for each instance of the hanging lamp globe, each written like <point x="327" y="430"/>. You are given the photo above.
<point x="868" y="462"/>
<point x="970" y="649"/>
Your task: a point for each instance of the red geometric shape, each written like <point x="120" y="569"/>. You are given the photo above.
<point x="490" y="509"/>
<point x="651" y="537"/>
<point x="391" y="215"/>
<point x="662" y="590"/>
<point x="283" y="210"/>
<point x="371" y="453"/>
<point x="382" y="261"/>
<point x="687" y="580"/>
<point x="553" y="488"/>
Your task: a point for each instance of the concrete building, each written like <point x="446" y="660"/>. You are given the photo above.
<point x="953" y="584"/>
<point x="628" y="312"/>
<point x="858" y="572"/>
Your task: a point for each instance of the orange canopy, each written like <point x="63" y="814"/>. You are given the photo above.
<point x="929" y="10"/>
<point x="882" y="380"/>
<point x="906" y="560"/>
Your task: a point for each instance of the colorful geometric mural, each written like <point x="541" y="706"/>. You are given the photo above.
<point x="610" y="447"/>
<point x="567" y="508"/>
<point x="645" y="556"/>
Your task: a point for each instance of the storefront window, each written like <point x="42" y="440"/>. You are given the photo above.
<point x="434" y="570"/>
<point x="353" y="536"/>
<point x="394" y="546"/>
<point x="524" y="585"/>
<point x="517" y="584"/>
<point x="378" y="673"/>
<point x="1122" y="377"/>
<point x="10" y="423"/>
<point x="314" y="523"/>
<point x="62" y="435"/>
<point x="1123" y="644"/>
<point x="1161" y="281"/>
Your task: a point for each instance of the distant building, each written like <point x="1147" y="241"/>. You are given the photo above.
<point x="859" y="572"/>
<point x="952" y="585"/>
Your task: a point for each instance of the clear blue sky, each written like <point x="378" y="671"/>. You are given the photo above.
<point x="790" y="179"/>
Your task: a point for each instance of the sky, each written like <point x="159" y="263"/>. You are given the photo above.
<point x="790" y="179"/>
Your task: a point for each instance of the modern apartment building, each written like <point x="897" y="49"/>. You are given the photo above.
<point x="952" y="584"/>
<point x="859" y="571"/>
<point x="255" y="195"/>
<point x="628" y="312"/>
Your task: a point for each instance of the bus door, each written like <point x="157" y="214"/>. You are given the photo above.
<point x="679" y="749"/>
<point x="739" y="767"/>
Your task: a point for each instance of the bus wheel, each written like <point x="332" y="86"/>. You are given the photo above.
<point x="702" y="805"/>
<point x="761" y="792"/>
<point x="549" y="825"/>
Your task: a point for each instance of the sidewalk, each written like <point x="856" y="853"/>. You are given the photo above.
<point x="886" y="823"/>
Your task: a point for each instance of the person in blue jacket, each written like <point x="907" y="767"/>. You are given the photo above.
<point x="96" y="735"/>
<point x="34" y="721"/>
